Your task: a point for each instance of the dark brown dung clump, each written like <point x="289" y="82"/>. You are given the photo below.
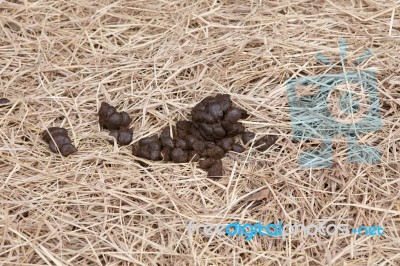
<point x="265" y="142"/>
<point x="58" y="140"/>
<point x="116" y="122"/>
<point x="4" y="101"/>
<point x="207" y="138"/>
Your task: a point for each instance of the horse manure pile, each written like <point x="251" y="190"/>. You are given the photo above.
<point x="206" y="139"/>
<point x="213" y="131"/>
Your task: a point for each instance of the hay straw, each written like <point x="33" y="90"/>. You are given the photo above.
<point x="156" y="60"/>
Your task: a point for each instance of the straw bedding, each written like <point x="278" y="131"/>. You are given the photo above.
<point x="156" y="60"/>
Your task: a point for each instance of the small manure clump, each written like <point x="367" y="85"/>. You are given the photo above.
<point x="4" y="101"/>
<point x="58" y="140"/>
<point x="116" y="122"/>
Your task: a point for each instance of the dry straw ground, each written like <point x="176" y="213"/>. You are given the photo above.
<point x="156" y="60"/>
